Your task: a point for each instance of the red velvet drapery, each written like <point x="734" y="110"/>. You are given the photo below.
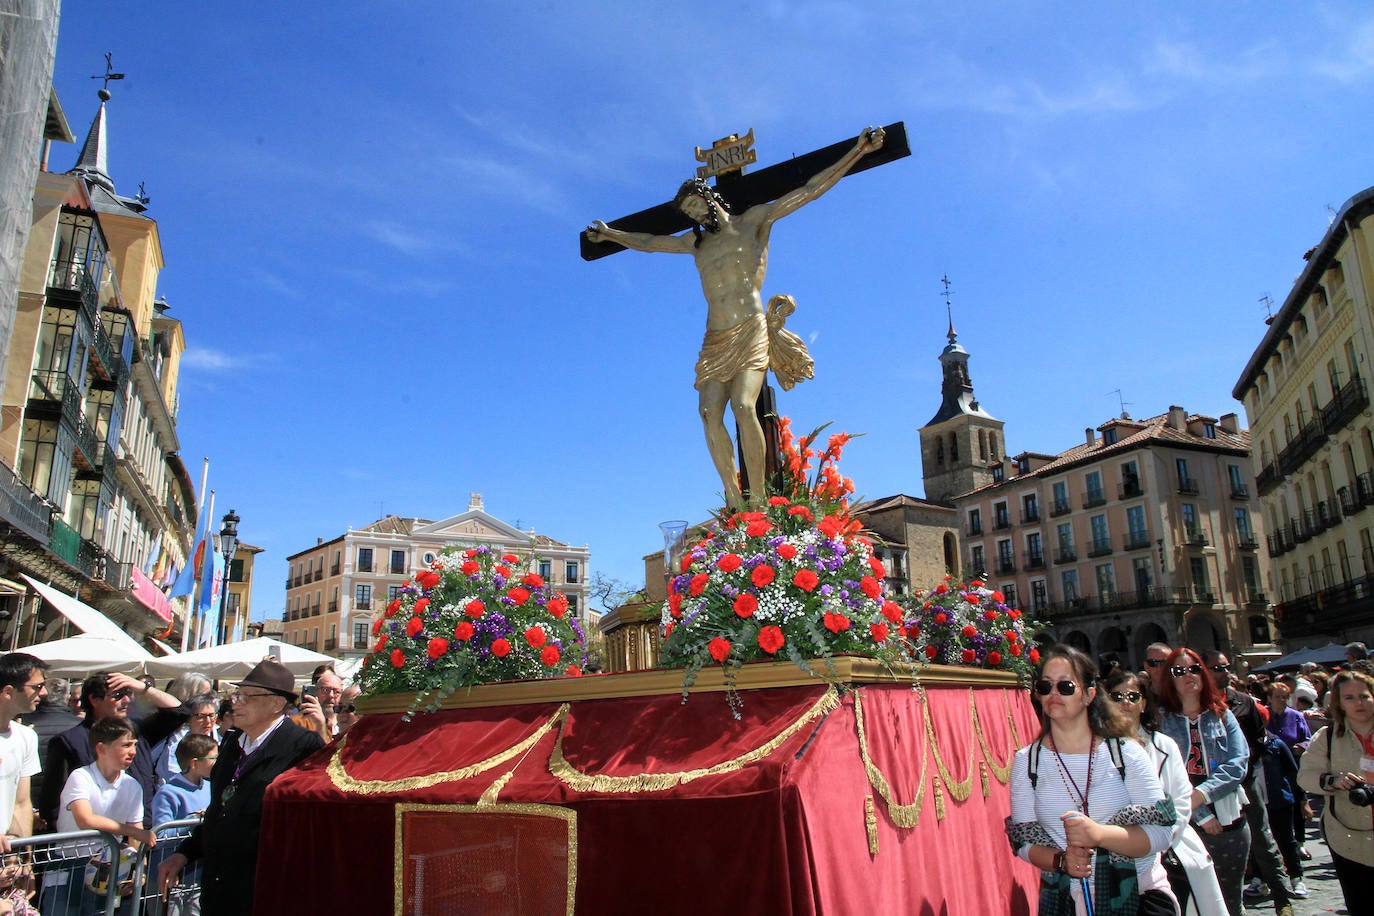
<point x="778" y="827"/>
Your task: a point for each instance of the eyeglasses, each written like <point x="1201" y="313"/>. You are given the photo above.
<point x="123" y="693"/>
<point x="203" y="716"/>
<point x="1129" y="697"/>
<point x="238" y="696"/>
<point x="348" y="708"/>
<point x="1219" y="669"/>
<point x="1185" y="670"/>
<point x="210" y="757"/>
<point x="1065" y="688"/>
<point x="1156" y="662"/>
<point x="36" y="688"/>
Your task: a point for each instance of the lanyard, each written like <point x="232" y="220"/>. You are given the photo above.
<point x="1067" y="778"/>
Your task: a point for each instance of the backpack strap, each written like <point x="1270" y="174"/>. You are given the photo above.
<point x="1114" y="748"/>
<point x="1033" y="764"/>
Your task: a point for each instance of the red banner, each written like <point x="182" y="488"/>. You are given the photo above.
<point x="149" y="595"/>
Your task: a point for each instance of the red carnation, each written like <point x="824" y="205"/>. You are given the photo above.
<point x="533" y="580"/>
<point x="806" y="580"/>
<point x="427" y="578"/>
<point x="437" y="646"/>
<point x="398" y="658"/>
<point x="787" y="551"/>
<point x="912" y="631"/>
<point x="763" y="575"/>
<point x="393" y="607"/>
<point x="778" y="500"/>
<point x="771" y="639"/>
<point x="470" y="568"/>
<point x="994" y="657"/>
<point x="549" y="656"/>
<point x="675" y="604"/>
<point x="1014" y="614"/>
<point x="719" y="649"/>
<point x="698" y="584"/>
<point x="835" y="622"/>
<point x="519" y="595"/>
<point x="892" y="611"/>
<point x="536" y="636"/>
<point x="376" y="626"/>
<point x="729" y="562"/>
<point x="968" y="655"/>
<point x="976" y="583"/>
<point x="573" y="671"/>
<point x="870" y="587"/>
<point x="999" y="597"/>
<point x="1015" y="649"/>
<point x="1034" y="656"/>
<point x="757" y="528"/>
<point x="877" y="566"/>
<point x="801" y="512"/>
<point x="558" y="605"/>
<point x="746" y="604"/>
<point x="941" y="589"/>
<point x="463" y="632"/>
<point x="502" y="571"/>
<point x="474" y="608"/>
<point x="989" y="615"/>
<point x="414" y="625"/>
<point x="1012" y="636"/>
<point x="970" y="631"/>
<point x="421" y="605"/>
<point x="470" y="552"/>
<point x="500" y="648"/>
<point x="668" y="630"/>
<point x="879" y="631"/>
<point x="942" y="618"/>
<point x="381" y="644"/>
<point x="931" y="652"/>
<point x="686" y="563"/>
<point x="509" y="558"/>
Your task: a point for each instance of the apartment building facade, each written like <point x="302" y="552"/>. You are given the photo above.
<point x="1148" y="531"/>
<point x="335" y="589"/>
<point x="1306" y="395"/>
<point x="92" y="488"/>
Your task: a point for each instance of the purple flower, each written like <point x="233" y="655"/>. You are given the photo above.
<point x="826" y="590"/>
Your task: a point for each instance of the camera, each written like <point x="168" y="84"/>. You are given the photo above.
<point x="1362" y="796"/>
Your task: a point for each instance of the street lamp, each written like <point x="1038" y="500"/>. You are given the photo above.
<point x="228" y="543"/>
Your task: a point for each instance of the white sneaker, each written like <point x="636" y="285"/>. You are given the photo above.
<point x="1300" y="890"/>
<point x="1255" y="888"/>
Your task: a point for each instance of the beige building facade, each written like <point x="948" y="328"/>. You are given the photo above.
<point x="335" y="589"/>
<point x="1147" y="531"/>
<point x="1306" y="394"/>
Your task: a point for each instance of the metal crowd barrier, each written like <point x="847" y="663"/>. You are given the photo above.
<point x="72" y="873"/>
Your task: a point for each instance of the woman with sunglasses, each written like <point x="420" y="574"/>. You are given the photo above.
<point x="1137" y="701"/>
<point x="1215" y="757"/>
<point x="1086" y="806"/>
<point x="1339" y="764"/>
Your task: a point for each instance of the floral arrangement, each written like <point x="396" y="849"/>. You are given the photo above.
<point x="791" y="579"/>
<point x="970" y="625"/>
<point x="473" y="616"/>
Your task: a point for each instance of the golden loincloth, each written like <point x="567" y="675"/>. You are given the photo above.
<point x="759" y="344"/>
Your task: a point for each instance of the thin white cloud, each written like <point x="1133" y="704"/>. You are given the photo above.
<point x="270" y="282"/>
<point x="1354" y="62"/>
<point x="208" y="359"/>
<point x="1186" y="61"/>
<point x="406" y="240"/>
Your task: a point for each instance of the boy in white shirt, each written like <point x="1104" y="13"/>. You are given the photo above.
<point x="99" y="796"/>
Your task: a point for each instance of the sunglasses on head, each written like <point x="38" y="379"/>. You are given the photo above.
<point x="1156" y="662"/>
<point x="1065" y="688"/>
<point x="1128" y="697"/>
<point x="1185" y="670"/>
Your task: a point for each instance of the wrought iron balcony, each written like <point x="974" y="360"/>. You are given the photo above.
<point x="1303" y="446"/>
<point x="1346" y="405"/>
<point x="23" y="508"/>
<point x="1093" y="498"/>
<point x="975" y="529"/>
<point x="1364" y="488"/>
<point x="333" y="607"/>
<point x="1280" y="542"/>
<point x="1060" y="508"/>
<point x="73" y="277"/>
<point x="334" y="570"/>
<point x="364" y="605"/>
<point x="298" y="580"/>
<point x="1350" y="505"/>
<point x="1328" y="513"/>
<point x="1188" y="486"/>
<point x="1001" y="522"/>
<point x="1136" y="540"/>
<point x="1239" y="491"/>
<point x="1006" y="564"/>
<point x="1194" y="537"/>
<point x="1130" y="489"/>
<point x="1035" y="560"/>
<point x="1267" y="478"/>
<point x="1100" y="547"/>
<point x="1065" y="555"/>
<point x="331" y="644"/>
<point x="1246" y="541"/>
<point x="1030" y="515"/>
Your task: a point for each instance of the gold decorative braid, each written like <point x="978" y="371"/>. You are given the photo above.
<point x="904" y="816"/>
<point x="959" y="789"/>
<point x="871" y="825"/>
<point x="494" y="790"/>
<point x="658" y="782"/>
<point x="983" y="778"/>
<point x="346" y="783"/>
<point x="1000" y="770"/>
<point x="939" y="799"/>
<point x="1011" y="720"/>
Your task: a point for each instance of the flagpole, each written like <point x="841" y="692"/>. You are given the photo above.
<point x="191" y="599"/>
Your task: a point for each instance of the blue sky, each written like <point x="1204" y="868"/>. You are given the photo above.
<point x="369" y="214"/>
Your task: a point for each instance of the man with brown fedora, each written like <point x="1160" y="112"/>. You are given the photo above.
<point x="261" y="746"/>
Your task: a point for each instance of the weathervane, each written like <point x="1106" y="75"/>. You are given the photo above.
<point x="108" y="75"/>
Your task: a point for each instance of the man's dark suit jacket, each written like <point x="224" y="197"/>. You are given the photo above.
<point x="226" y="842"/>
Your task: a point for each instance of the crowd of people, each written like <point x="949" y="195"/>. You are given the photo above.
<point x="1147" y="789"/>
<point x="121" y="755"/>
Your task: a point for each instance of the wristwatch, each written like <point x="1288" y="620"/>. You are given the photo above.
<point x="1327" y="781"/>
<point x="1061" y="862"/>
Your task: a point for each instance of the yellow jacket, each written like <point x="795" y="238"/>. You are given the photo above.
<point x="1349" y="830"/>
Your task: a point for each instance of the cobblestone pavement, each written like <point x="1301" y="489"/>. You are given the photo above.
<point x="1321" y="881"/>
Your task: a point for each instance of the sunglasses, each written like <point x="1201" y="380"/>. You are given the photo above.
<point x="1185" y="670"/>
<point x="122" y="694"/>
<point x="1156" y="662"/>
<point x="1065" y="688"/>
<point x="1129" y="697"/>
<point x="1219" y="669"/>
<point x="347" y="708"/>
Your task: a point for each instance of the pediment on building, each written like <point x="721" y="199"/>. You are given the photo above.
<point x="474" y="524"/>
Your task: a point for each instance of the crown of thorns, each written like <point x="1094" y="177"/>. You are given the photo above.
<point x="699" y="187"/>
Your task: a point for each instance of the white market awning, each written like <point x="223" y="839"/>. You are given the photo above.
<point x="79" y="656"/>
<point x="84" y="617"/>
<point x="236" y="659"/>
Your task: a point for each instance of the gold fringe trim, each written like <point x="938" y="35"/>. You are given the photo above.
<point x="959" y="789"/>
<point x="908" y="816"/>
<point x="904" y="816"/>
<point x="346" y="783"/>
<point x="658" y="782"/>
<point x="489" y="797"/>
<point x="871" y="825"/>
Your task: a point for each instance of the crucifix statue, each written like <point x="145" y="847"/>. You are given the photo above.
<point x="730" y="225"/>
